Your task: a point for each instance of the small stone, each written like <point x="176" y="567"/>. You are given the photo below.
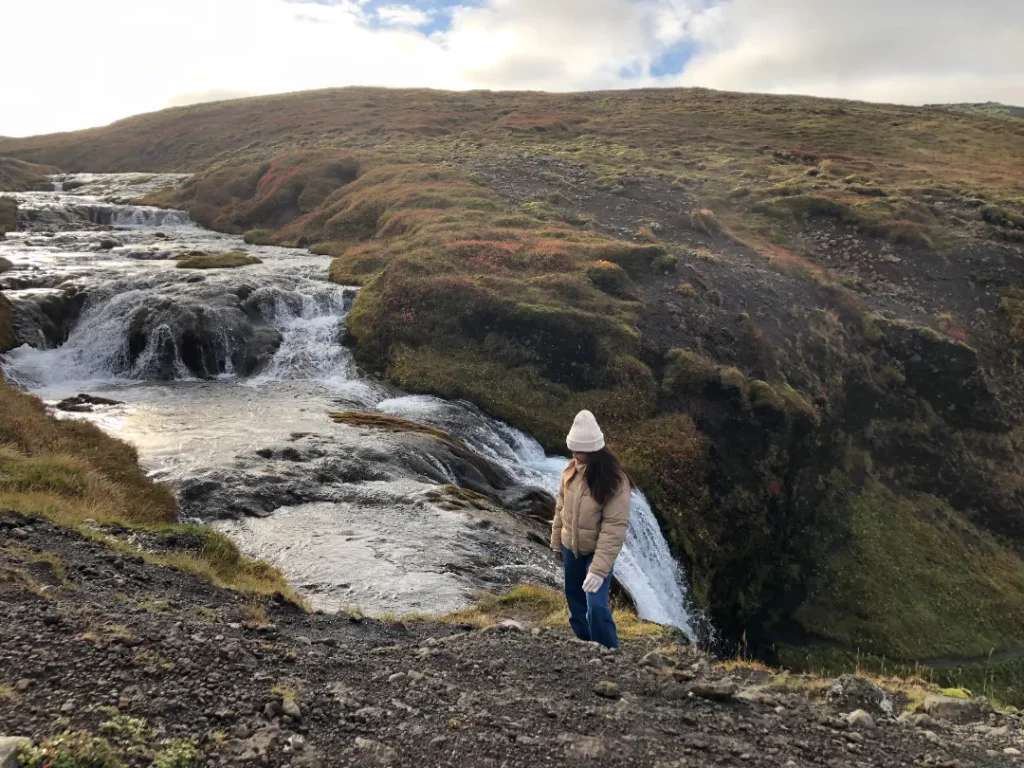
<point x="376" y="752"/>
<point x="656" y="659"/>
<point x="861" y="719"/>
<point x="291" y="708"/>
<point x="67" y="707"/>
<point x="1011" y="751"/>
<point x="23" y="685"/>
<point x="512" y="625"/>
<point x="952" y="709"/>
<point x="397" y="677"/>
<point x="607" y="689"/>
<point x="9" y="748"/>
<point x="715" y="690"/>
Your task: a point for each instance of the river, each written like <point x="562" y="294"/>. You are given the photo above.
<point x="226" y="378"/>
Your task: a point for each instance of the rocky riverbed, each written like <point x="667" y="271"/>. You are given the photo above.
<point x="159" y="664"/>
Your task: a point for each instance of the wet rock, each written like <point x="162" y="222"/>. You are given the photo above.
<point x="83" y="403"/>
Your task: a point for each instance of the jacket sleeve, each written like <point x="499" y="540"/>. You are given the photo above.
<point x="614" y="522"/>
<point x="556" y="524"/>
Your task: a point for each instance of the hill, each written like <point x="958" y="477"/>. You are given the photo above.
<point x="801" y="319"/>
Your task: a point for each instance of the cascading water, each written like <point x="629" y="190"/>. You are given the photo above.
<point x="215" y="365"/>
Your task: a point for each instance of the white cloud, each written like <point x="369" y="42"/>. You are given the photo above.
<point x="402" y="16"/>
<point x="911" y="51"/>
<point x="106" y="59"/>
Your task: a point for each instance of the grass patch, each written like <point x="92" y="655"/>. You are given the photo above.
<point x="71" y="749"/>
<point x="228" y="260"/>
<point x="74" y="475"/>
<point x="544" y="607"/>
<point x="927" y="582"/>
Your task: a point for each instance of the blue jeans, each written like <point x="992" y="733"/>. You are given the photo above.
<point x="590" y="615"/>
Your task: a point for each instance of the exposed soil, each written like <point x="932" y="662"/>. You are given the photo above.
<point x="87" y="629"/>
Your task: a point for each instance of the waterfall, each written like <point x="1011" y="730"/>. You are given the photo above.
<point x="146" y="216"/>
<point x="645" y="568"/>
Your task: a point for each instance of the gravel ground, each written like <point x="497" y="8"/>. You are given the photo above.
<point x="91" y="637"/>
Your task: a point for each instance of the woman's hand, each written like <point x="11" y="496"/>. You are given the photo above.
<point x="592" y="583"/>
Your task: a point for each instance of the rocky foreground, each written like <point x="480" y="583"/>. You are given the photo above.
<point x="150" y="666"/>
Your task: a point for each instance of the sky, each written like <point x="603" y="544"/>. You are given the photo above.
<point x="71" y="64"/>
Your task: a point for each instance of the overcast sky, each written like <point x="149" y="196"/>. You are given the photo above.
<point x="71" y="64"/>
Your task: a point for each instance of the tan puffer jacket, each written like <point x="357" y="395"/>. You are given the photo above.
<point x="584" y="526"/>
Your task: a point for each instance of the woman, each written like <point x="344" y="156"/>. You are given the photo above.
<point x="590" y="523"/>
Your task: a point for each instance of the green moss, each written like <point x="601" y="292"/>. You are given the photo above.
<point x="611" y="278"/>
<point x="228" y="260"/>
<point x="927" y="583"/>
<point x="687" y="373"/>
<point x="71" y="749"/>
<point x="1002" y="217"/>
<point x="636" y="259"/>
<point x="178" y="753"/>
<point x="805" y="207"/>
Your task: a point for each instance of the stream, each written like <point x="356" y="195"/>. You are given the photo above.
<point x="225" y="380"/>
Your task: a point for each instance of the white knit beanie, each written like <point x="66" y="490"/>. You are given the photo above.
<point x="585" y="435"/>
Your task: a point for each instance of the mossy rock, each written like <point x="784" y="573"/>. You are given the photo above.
<point x="8" y="215"/>
<point x="259" y="237"/>
<point x="7" y="340"/>
<point x="228" y="260"/>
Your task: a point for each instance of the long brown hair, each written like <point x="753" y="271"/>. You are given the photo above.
<point x="604" y="475"/>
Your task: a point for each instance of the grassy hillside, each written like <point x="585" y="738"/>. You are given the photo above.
<point x="798" y="318"/>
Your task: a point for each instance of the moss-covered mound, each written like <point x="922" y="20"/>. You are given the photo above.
<point x="228" y="260"/>
<point x="21" y="176"/>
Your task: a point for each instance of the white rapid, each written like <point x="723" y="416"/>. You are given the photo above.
<point x="213" y="366"/>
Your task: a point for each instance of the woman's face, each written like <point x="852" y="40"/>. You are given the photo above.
<point x="581" y="458"/>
